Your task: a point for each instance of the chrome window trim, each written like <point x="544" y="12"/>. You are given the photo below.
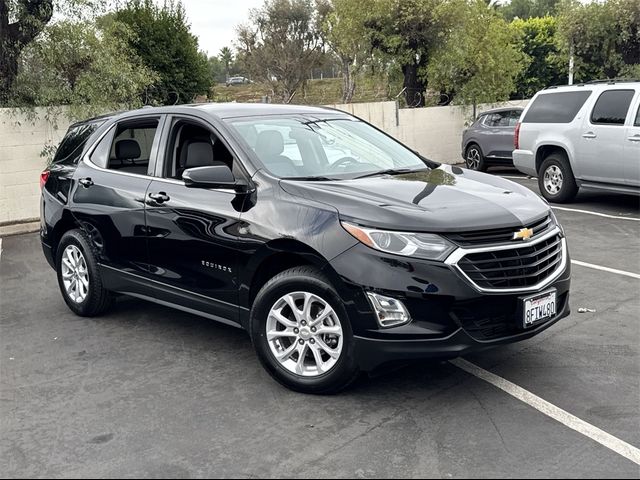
<point x="458" y="254"/>
<point x="90" y="164"/>
<point x="86" y="159"/>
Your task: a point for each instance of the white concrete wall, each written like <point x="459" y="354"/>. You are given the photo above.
<point x="436" y="132"/>
<point x="21" y="142"/>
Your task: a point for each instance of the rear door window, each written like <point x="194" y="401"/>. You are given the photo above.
<point x="500" y="119"/>
<point x="127" y="147"/>
<point x="557" y="107"/>
<point x="612" y="107"/>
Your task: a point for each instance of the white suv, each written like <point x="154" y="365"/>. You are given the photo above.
<point x="585" y="135"/>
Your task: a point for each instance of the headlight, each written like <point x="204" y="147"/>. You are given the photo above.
<point x="420" y="245"/>
<point x="555" y="220"/>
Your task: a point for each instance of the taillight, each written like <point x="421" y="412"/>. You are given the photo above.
<point x="44" y="176"/>
<point x="516" y="138"/>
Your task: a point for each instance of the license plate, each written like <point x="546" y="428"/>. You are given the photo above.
<point x="538" y="308"/>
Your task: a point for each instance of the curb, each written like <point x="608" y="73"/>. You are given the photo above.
<point x="19" y="228"/>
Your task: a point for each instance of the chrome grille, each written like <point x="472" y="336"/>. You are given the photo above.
<point x="499" y="235"/>
<point x="514" y="268"/>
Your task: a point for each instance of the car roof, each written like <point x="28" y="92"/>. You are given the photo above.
<point x="501" y="109"/>
<point x="231" y="110"/>
<point x="595" y="85"/>
<point x="223" y="111"/>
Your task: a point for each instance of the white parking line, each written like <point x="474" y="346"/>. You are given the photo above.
<point x="588" y="212"/>
<point x="606" y="269"/>
<point x="0" y="249"/>
<point x="594" y="433"/>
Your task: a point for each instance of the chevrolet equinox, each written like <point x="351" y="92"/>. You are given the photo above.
<point x="335" y="246"/>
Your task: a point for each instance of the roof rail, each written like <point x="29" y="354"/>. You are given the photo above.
<point x="614" y="80"/>
<point x="560" y="86"/>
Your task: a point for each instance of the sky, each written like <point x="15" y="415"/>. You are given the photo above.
<point x="214" y="21"/>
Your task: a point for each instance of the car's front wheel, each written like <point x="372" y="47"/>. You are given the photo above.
<point x="301" y="332"/>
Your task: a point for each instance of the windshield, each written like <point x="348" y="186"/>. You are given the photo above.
<point x="296" y="147"/>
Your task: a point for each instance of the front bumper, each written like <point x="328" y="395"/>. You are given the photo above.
<point x="450" y="317"/>
<point x="373" y="352"/>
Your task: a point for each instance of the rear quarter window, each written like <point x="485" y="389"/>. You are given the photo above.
<point x="70" y="149"/>
<point x="557" y="107"/>
<point x="612" y="106"/>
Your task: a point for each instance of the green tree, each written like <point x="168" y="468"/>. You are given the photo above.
<point x="343" y="25"/>
<point x="538" y="42"/>
<point x="604" y="38"/>
<point x="408" y="31"/>
<point x="166" y="45"/>
<point x="85" y="65"/>
<point x="525" y="9"/>
<point x="216" y="70"/>
<point x="30" y="19"/>
<point x="21" y="21"/>
<point x="479" y="61"/>
<point x="280" y="45"/>
<point x="226" y="57"/>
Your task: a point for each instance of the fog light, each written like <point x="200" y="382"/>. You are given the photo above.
<point x="389" y="311"/>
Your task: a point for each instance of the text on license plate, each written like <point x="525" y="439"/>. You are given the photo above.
<point x="539" y="308"/>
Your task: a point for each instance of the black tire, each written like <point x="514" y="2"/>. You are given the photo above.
<point x="480" y="163"/>
<point x="98" y="300"/>
<point x="567" y="189"/>
<point x="307" y="279"/>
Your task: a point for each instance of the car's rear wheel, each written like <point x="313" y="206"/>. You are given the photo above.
<point x="301" y="332"/>
<point x="79" y="277"/>
<point x="474" y="158"/>
<point x="555" y="179"/>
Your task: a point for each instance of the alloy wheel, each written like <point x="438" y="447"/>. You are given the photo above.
<point x="75" y="274"/>
<point x="304" y="334"/>
<point x="553" y="180"/>
<point x="473" y="158"/>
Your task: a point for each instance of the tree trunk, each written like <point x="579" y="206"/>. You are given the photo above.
<point x="348" y="81"/>
<point x="414" y="92"/>
<point x="14" y="37"/>
<point x="8" y="73"/>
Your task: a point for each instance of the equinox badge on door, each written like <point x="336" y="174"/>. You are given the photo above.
<point x="217" y="266"/>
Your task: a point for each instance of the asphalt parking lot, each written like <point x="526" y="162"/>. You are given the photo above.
<point x="147" y="391"/>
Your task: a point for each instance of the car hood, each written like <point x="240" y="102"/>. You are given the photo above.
<point x="445" y="199"/>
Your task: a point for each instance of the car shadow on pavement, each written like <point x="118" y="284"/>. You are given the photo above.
<point x="184" y="332"/>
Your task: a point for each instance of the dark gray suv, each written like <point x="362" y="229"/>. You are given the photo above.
<point x="489" y="140"/>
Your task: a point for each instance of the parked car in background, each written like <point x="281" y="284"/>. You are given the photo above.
<point x="581" y="136"/>
<point x="237" y="81"/>
<point x="489" y="140"/>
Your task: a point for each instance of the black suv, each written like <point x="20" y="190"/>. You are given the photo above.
<point x="336" y="247"/>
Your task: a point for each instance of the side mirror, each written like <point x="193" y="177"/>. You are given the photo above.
<point x="214" y="176"/>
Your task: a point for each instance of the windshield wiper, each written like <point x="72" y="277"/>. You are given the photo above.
<point x="310" y="178"/>
<point x="390" y="171"/>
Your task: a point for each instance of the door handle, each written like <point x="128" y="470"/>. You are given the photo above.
<point x="589" y="135"/>
<point x="160" y="197"/>
<point x="85" y="182"/>
<point x="634" y="138"/>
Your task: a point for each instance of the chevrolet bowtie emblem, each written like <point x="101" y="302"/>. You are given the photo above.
<point x="523" y="234"/>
